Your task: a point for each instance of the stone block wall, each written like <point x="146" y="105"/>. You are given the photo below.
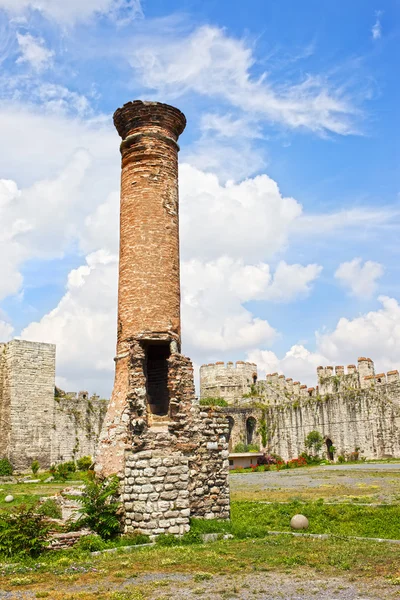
<point x="230" y="381"/>
<point x="38" y="421"/>
<point x="27" y="411"/>
<point x="156" y="495"/>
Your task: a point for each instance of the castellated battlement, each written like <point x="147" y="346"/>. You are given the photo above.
<point x="230" y="381"/>
<point x="363" y="376"/>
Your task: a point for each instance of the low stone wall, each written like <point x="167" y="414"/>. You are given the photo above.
<point x="156" y="496"/>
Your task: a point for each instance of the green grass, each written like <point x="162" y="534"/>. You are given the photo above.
<point x="254" y="519"/>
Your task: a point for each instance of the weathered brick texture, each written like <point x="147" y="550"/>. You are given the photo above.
<point x="170" y="456"/>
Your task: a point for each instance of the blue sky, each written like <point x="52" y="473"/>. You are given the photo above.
<point x="289" y="179"/>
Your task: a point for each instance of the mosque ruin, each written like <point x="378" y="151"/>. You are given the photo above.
<point x="170" y="454"/>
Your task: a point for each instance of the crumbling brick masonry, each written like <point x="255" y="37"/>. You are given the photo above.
<point x="171" y="457"/>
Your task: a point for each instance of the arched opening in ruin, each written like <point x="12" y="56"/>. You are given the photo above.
<point x="156" y="372"/>
<point x="250" y="430"/>
<point x="254" y="378"/>
<point x="329" y="445"/>
<point x="231" y="423"/>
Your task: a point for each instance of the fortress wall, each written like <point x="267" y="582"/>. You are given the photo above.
<point x="229" y="381"/>
<point x="38" y="421"/>
<point x="368" y="419"/>
<point x="77" y="425"/>
<point x="29" y="394"/>
<point x="5" y="425"/>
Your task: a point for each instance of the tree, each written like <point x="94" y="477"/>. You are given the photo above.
<point x="313" y="442"/>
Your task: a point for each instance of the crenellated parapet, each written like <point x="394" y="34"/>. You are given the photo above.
<point x="333" y="380"/>
<point x="230" y="381"/>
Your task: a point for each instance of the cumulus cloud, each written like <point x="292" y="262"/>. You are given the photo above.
<point x="375" y="334"/>
<point x="69" y="11"/>
<point x="298" y="363"/>
<point x="34" y="52"/>
<point x="360" y="279"/>
<point x="249" y="220"/>
<point x="211" y="63"/>
<point x="6" y="330"/>
<point x="83" y="325"/>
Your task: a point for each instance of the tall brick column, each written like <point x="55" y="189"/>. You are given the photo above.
<point x="149" y="290"/>
<point x="148" y="330"/>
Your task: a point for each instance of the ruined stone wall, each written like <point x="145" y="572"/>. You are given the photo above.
<point x="230" y="381"/>
<point x="36" y="423"/>
<point x="163" y="488"/>
<point x="76" y="428"/>
<point x="353" y="408"/>
<point x="28" y="393"/>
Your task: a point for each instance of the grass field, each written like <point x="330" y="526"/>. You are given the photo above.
<point x="252" y="565"/>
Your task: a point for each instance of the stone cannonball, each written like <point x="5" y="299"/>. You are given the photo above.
<point x="299" y="522"/>
<point x="9" y="498"/>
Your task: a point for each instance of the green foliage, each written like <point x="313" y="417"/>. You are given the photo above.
<point x="241" y="447"/>
<point x="50" y="508"/>
<point x="213" y="402"/>
<point x="35" y="466"/>
<point x="341" y="458"/>
<point x="90" y="543"/>
<point x="314" y="441"/>
<point x="263" y="429"/>
<point x="99" y="509"/>
<point x="6" y="467"/>
<point x="253" y="392"/>
<point x="84" y="463"/>
<point x="23" y="532"/>
<point x="63" y="470"/>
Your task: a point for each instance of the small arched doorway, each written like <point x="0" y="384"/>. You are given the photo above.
<point x="250" y="430"/>
<point x="329" y="446"/>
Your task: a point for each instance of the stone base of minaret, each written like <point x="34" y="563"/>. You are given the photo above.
<point x="170" y="453"/>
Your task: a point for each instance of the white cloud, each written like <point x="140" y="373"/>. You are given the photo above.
<point x="298" y="363"/>
<point x="249" y="220"/>
<point x="375" y="334"/>
<point x="69" y="11"/>
<point x="376" y="30"/>
<point x="34" y="52"/>
<point x="209" y="62"/>
<point x="6" y="330"/>
<point x="360" y="279"/>
<point x="83" y="325"/>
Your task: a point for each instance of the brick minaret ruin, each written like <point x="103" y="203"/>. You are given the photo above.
<point x="153" y="434"/>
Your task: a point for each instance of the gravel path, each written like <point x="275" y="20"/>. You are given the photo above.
<point x="376" y="482"/>
<point x="262" y="586"/>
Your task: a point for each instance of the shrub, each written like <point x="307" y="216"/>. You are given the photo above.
<point x="51" y="509"/>
<point x="341" y="458"/>
<point x="213" y="402"/>
<point x="35" y="466"/>
<point x="241" y="447"/>
<point x="63" y="470"/>
<point x="99" y="509"/>
<point x="23" y="531"/>
<point x="84" y="463"/>
<point x="6" y="467"/>
<point x="90" y="543"/>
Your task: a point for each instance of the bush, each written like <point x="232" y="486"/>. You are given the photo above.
<point x="63" y="470"/>
<point x="6" y="467"/>
<point x="35" y="466"/>
<point x="239" y="448"/>
<point x="314" y="441"/>
<point x="23" y="531"/>
<point x="213" y="402"/>
<point x="341" y="458"/>
<point x="99" y="510"/>
<point x="90" y="543"/>
<point x="51" y="509"/>
<point x="84" y="463"/>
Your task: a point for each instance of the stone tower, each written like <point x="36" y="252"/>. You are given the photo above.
<point x="162" y="446"/>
